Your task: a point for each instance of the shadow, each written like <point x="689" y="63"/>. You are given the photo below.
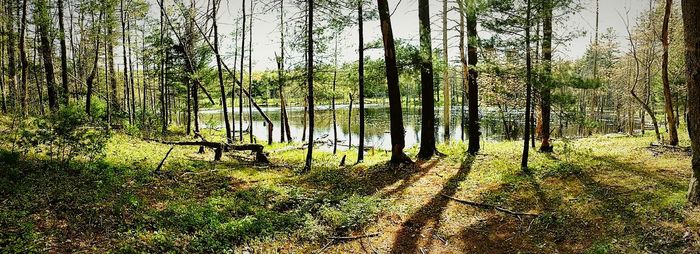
<point x="407" y="239"/>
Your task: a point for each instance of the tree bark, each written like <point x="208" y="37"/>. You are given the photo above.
<point x="11" y="61"/>
<point x="43" y="20"/>
<point x="361" y="80"/>
<point x="528" y="99"/>
<point x="250" y="73"/>
<point x="310" y="80"/>
<point x="23" y="60"/>
<point x="220" y="72"/>
<point x="126" y="61"/>
<point x="473" y="89"/>
<point x="392" y="75"/>
<point x="668" y="98"/>
<point x="427" y="141"/>
<point x="691" y="24"/>
<point x="240" y="92"/>
<point x="91" y="78"/>
<point x="65" y="94"/>
<point x="546" y="104"/>
<point x="447" y="111"/>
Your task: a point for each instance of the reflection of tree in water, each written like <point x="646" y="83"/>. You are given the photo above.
<point x="377" y="124"/>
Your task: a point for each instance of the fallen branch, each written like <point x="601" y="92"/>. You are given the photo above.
<point x="347" y="238"/>
<point x="487" y="206"/>
<point x="219" y="148"/>
<point x="164" y="158"/>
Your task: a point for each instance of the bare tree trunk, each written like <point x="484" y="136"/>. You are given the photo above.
<point x="23" y="59"/>
<point x="220" y="72"/>
<point x="91" y="78"/>
<point x="528" y="99"/>
<point x="43" y="21"/>
<point x="447" y="111"/>
<point x="392" y="74"/>
<point x="3" y="106"/>
<point x="668" y="99"/>
<point x="250" y="72"/>
<point x="350" y="122"/>
<point x="361" y="80"/>
<point x="310" y="78"/>
<point x="126" y="61"/>
<point x="427" y="140"/>
<point x="465" y="67"/>
<point x="691" y="24"/>
<point x="240" y="92"/>
<point x="161" y="76"/>
<point x="335" y="79"/>
<point x="64" y="58"/>
<point x="109" y="97"/>
<point x="474" y="128"/>
<point x="284" y="119"/>
<point x="546" y="104"/>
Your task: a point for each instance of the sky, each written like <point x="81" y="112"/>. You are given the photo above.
<point x="405" y="25"/>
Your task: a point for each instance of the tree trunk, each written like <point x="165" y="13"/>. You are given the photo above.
<point x="335" y="79"/>
<point x="126" y="61"/>
<point x="220" y="72"/>
<point x="64" y="58"/>
<point x="465" y="68"/>
<point x="161" y="76"/>
<point x="528" y="99"/>
<point x="361" y="80"/>
<point x="23" y="59"/>
<point x="240" y="92"/>
<point x="427" y="140"/>
<point x="109" y="43"/>
<point x="11" y="61"/>
<point x="310" y="80"/>
<point x="350" y="122"/>
<point x="447" y="111"/>
<point x="668" y="99"/>
<point x="43" y="20"/>
<point x="473" y="89"/>
<point x="546" y="104"/>
<point x="392" y="75"/>
<point x="2" y="70"/>
<point x="250" y="73"/>
<point x="691" y="24"/>
<point x="91" y="78"/>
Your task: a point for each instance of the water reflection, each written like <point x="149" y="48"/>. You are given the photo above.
<point x="377" y="124"/>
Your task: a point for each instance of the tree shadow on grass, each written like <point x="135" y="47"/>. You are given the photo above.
<point x="406" y="239"/>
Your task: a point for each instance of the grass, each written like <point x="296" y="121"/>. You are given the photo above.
<point x="594" y="195"/>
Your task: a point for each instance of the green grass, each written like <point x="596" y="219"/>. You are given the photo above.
<point x="594" y="195"/>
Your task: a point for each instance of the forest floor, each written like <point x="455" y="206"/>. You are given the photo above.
<point x="604" y="194"/>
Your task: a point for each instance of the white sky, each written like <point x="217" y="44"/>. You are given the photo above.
<point x="405" y="25"/>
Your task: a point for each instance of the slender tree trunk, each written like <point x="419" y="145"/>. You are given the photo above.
<point x="126" y="61"/>
<point x="392" y="74"/>
<point x="161" y="76"/>
<point x="361" y="81"/>
<point x="43" y="21"/>
<point x="109" y="97"/>
<point x="427" y="140"/>
<point x="91" y="78"/>
<point x="310" y="78"/>
<point x="250" y="73"/>
<point x="2" y="68"/>
<point x="36" y="66"/>
<point x="131" y="73"/>
<point x="284" y="119"/>
<point x="528" y="99"/>
<point x="240" y="92"/>
<point x="546" y="105"/>
<point x="11" y="60"/>
<point x="350" y="122"/>
<point x="465" y="67"/>
<point x="220" y="72"/>
<point x="691" y="24"/>
<point x="64" y="58"/>
<point x="668" y="99"/>
<point x="447" y="111"/>
<point x="109" y="43"/>
<point x="23" y="59"/>
<point x="335" y="79"/>
<point x="474" y="128"/>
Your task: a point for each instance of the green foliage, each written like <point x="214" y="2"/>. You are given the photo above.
<point x="352" y="213"/>
<point x="63" y="136"/>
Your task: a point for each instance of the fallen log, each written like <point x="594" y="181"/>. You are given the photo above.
<point x="219" y="148"/>
<point x="493" y="207"/>
<point x="164" y="158"/>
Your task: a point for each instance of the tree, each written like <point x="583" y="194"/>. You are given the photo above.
<point x="11" y="61"/>
<point x="310" y="80"/>
<point x="65" y="94"/>
<point x="691" y="24"/>
<point x="668" y="98"/>
<point x="361" y="80"/>
<point x="93" y="73"/>
<point x="473" y="87"/>
<point x="528" y="98"/>
<point x="23" y="60"/>
<point x="240" y="91"/>
<point x="392" y="75"/>
<point x="43" y="20"/>
<point x="427" y="142"/>
<point x="220" y="72"/>
<point x="545" y="91"/>
<point x="447" y="111"/>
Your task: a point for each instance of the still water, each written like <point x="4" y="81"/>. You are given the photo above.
<point x="377" y="124"/>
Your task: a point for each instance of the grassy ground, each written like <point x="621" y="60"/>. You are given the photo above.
<point x="595" y="195"/>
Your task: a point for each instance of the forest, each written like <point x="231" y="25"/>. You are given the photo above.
<point x="350" y="126"/>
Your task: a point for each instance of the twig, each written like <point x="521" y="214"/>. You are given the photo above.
<point x="346" y="238"/>
<point x="487" y="206"/>
<point x="164" y="158"/>
<point x="325" y="247"/>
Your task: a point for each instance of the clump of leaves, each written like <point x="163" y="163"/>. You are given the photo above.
<point x="63" y="136"/>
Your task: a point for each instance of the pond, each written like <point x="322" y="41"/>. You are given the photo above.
<point x="377" y="125"/>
